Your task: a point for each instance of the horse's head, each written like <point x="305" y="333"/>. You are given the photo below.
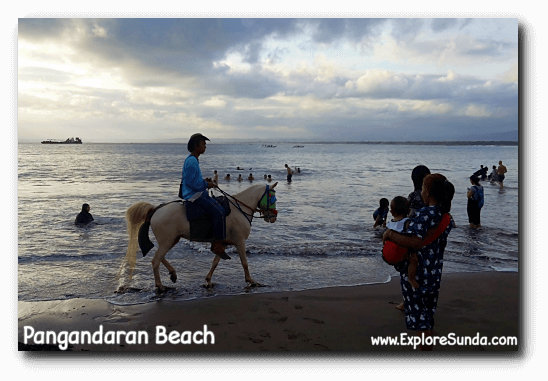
<point x="267" y="204"/>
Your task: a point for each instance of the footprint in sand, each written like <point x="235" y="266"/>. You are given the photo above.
<point x="282" y="319"/>
<point x="301" y="336"/>
<point x="316" y="321"/>
<point x="256" y="341"/>
<point x="321" y="347"/>
<point x="272" y="311"/>
<point x="298" y="307"/>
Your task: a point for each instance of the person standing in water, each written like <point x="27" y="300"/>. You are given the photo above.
<point x="415" y="199"/>
<point x="475" y="202"/>
<point x="84" y="217"/>
<point x="289" y="173"/>
<point x="501" y="170"/>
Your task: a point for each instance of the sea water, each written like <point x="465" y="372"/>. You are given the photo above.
<point x="323" y="236"/>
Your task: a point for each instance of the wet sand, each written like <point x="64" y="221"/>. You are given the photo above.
<point x="336" y="320"/>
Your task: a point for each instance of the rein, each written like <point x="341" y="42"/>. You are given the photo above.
<point x="248" y="216"/>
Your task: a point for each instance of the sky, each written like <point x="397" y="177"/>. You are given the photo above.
<point x="311" y="79"/>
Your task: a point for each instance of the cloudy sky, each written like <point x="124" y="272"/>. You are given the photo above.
<point x="300" y="79"/>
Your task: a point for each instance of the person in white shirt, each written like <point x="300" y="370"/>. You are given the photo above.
<point x="399" y="208"/>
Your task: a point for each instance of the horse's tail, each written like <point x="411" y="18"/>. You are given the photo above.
<point x="136" y="215"/>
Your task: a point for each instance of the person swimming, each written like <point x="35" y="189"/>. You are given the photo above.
<point x="84" y="217"/>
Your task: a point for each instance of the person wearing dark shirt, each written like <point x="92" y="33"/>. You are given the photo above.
<point x="84" y="217"/>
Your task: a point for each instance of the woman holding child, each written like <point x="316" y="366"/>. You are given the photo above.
<point x="420" y="303"/>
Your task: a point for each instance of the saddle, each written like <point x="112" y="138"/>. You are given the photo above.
<point x="201" y="228"/>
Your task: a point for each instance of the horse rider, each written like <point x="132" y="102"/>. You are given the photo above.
<point x="194" y="189"/>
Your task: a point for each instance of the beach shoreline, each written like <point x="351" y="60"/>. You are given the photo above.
<point x="338" y="320"/>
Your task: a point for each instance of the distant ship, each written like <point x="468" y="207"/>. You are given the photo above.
<point x="68" y="141"/>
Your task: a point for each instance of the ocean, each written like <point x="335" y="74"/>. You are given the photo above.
<point x="323" y="236"/>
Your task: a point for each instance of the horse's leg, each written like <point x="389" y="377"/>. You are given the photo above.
<point x="171" y="269"/>
<point x="240" y="246"/>
<point x="216" y="260"/>
<point x="172" y="272"/>
<point x="156" y="260"/>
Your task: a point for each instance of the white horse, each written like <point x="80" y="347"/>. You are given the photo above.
<point x="169" y="224"/>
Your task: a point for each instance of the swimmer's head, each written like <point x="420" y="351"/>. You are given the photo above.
<point x="85" y="208"/>
<point x="383" y="203"/>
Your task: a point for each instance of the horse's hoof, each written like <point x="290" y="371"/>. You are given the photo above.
<point x="209" y="286"/>
<point x="256" y="284"/>
<point x="160" y="289"/>
<point x="120" y="290"/>
<point x="173" y="277"/>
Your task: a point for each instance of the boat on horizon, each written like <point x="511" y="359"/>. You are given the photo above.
<point x="68" y="141"/>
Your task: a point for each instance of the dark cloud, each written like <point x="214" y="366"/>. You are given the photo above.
<point x="186" y="46"/>
<point x="43" y="28"/>
<point x="406" y="29"/>
<point x="439" y="25"/>
<point x="191" y="46"/>
<point x="354" y="30"/>
<point x="182" y="56"/>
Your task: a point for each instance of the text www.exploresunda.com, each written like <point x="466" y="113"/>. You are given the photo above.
<point x="451" y="339"/>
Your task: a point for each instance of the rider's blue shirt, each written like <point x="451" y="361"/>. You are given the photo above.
<point x="193" y="183"/>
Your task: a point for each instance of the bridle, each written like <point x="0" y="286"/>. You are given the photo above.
<point x="266" y="212"/>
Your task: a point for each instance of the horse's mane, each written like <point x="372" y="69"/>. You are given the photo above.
<point x="250" y="191"/>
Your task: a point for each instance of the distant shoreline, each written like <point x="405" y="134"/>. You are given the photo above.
<point x="427" y="143"/>
<point x="436" y="143"/>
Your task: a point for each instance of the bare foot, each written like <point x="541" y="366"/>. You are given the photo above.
<point x="413" y="282"/>
<point x="400" y="307"/>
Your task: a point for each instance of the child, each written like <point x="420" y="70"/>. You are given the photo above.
<point x="414" y="198"/>
<point x="251" y="178"/>
<point x="399" y="208"/>
<point x="475" y="202"/>
<point x="493" y="175"/>
<point x="381" y="213"/>
<point x="215" y="177"/>
<point x="240" y="178"/>
<point x="227" y="177"/>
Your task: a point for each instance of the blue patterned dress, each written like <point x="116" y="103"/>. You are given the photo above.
<point x="420" y="304"/>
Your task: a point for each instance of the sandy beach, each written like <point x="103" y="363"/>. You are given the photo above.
<point x="341" y="319"/>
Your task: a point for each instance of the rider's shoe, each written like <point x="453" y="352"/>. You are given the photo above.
<point x="218" y="248"/>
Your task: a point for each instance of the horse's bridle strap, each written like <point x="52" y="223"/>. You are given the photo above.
<point x="253" y="210"/>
